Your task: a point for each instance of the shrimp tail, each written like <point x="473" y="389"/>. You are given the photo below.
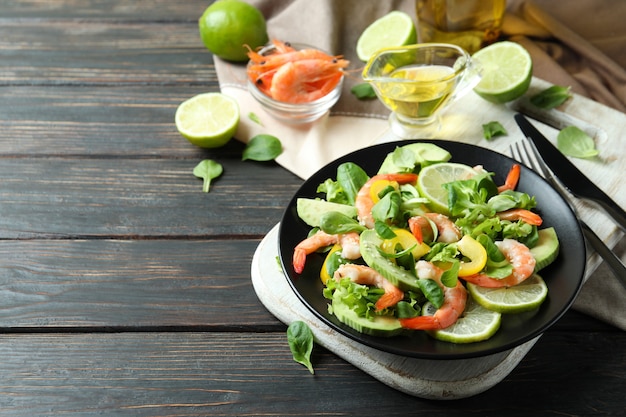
<point x="511" y="179"/>
<point x="421" y="323"/>
<point x="389" y="299"/>
<point x="299" y="259"/>
<point x="521" y="214"/>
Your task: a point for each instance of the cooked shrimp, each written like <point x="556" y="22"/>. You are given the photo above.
<point x="454" y="300"/>
<point x="365" y="275"/>
<point x="519" y="256"/>
<point x="521" y="214"/>
<point x="364" y="202"/>
<point x="511" y="179"/>
<point x="306" y="80"/>
<point x="349" y="245"/>
<point x="447" y="231"/>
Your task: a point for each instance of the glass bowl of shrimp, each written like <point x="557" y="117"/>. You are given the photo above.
<point x="295" y="83"/>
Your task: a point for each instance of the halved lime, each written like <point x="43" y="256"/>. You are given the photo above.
<point x="431" y="179"/>
<point x="507" y="70"/>
<point x="208" y="120"/>
<point x="525" y="296"/>
<point x="475" y="324"/>
<point x="393" y="29"/>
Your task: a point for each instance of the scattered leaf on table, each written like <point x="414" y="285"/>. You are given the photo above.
<point x="255" y="118"/>
<point x="574" y="142"/>
<point x="493" y="129"/>
<point x="363" y="91"/>
<point x="262" y="148"/>
<point x="207" y="170"/>
<point x="300" y="338"/>
<point x="551" y="97"/>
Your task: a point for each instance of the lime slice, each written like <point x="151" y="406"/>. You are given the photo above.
<point x="208" y="120"/>
<point x="507" y="70"/>
<point x="475" y="324"/>
<point x="393" y="29"/>
<point x="431" y="179"/>
<point x="525" y="296"/>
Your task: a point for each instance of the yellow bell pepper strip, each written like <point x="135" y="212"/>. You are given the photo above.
<point x="470" y="248"/>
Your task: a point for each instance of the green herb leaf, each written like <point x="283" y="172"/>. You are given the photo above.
<point x="207" y="170"/>
<point x="351" y="178"/>
<point x="574" y="142"/>
<point x="255" y="118"/>
<point x="262" y="148"/>
<point x="363" y="91"/>
<point x="551" y="97"/>
<point x="336" y="223"/>
<point x="493" y="129"/>
<point x="300" y="340"/>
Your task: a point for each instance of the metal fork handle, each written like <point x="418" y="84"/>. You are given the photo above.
<point x="612" y="260"/>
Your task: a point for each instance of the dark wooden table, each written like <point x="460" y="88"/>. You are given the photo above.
<point x="125" y="290"/>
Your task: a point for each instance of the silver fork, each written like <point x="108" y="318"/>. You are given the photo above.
<point x="525" y="152"/>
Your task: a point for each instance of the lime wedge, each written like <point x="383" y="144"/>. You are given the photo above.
<point x="475" y="324"/>
<point x="208" y="120"/>
<point x="393" y="29"/>
<point x="431" y="179"/>
<point x="525" y="296"/>
<point x="507" y="70"/>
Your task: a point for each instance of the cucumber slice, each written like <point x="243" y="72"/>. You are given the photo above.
<point x="310" y="210"/>
<point x="398" y="276"/>
<point x="381" y="326"/>
<point x="547" y="248"/>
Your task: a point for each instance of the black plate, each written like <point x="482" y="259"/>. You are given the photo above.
<point x="563" y="277"/>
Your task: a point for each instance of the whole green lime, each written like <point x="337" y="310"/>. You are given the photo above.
<point x="227" y="26"/>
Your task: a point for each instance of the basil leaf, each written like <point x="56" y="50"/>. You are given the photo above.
<point x="574" y="142"/>
<point x="551" y="97"/>
<point x="207" y="170"/>
<point x="351" y="177"/>
<point x="300" y="339"/>
<point x="432" y="291"/>
<point x="363" y="91"/>
<point x="404" y="310"/>
<point x="336" y="223"/>
<point x="450" y="276"/>
<point x="383" y="230"/>
<point x="262" y="148"/>
<point x="493" y="129"/>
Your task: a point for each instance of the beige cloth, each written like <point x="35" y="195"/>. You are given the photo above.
<point x="568" y="48"/>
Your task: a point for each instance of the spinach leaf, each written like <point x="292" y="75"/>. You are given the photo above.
<point x="207" y="170"/>
<point x="551" y="97"/>
<point x="572" y="141"/>
<point x="493" y="129"/>
<point x="262" y="148"/>
<point x="351" y="177"/>
<point x="335" y="223"/>
<point x="363" y="91"/>
<point x="300" y="339"/>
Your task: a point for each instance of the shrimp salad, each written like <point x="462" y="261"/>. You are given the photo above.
<point x="400" y="260"/>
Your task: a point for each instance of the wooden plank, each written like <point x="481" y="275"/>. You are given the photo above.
<point x="87" y="121"/>
<point x="121" y="284"/>
<point x="87" y="52"/>
<point x="78" y="198"/>
<point x="136" y="10"/>
<point x="234" y="374"/>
